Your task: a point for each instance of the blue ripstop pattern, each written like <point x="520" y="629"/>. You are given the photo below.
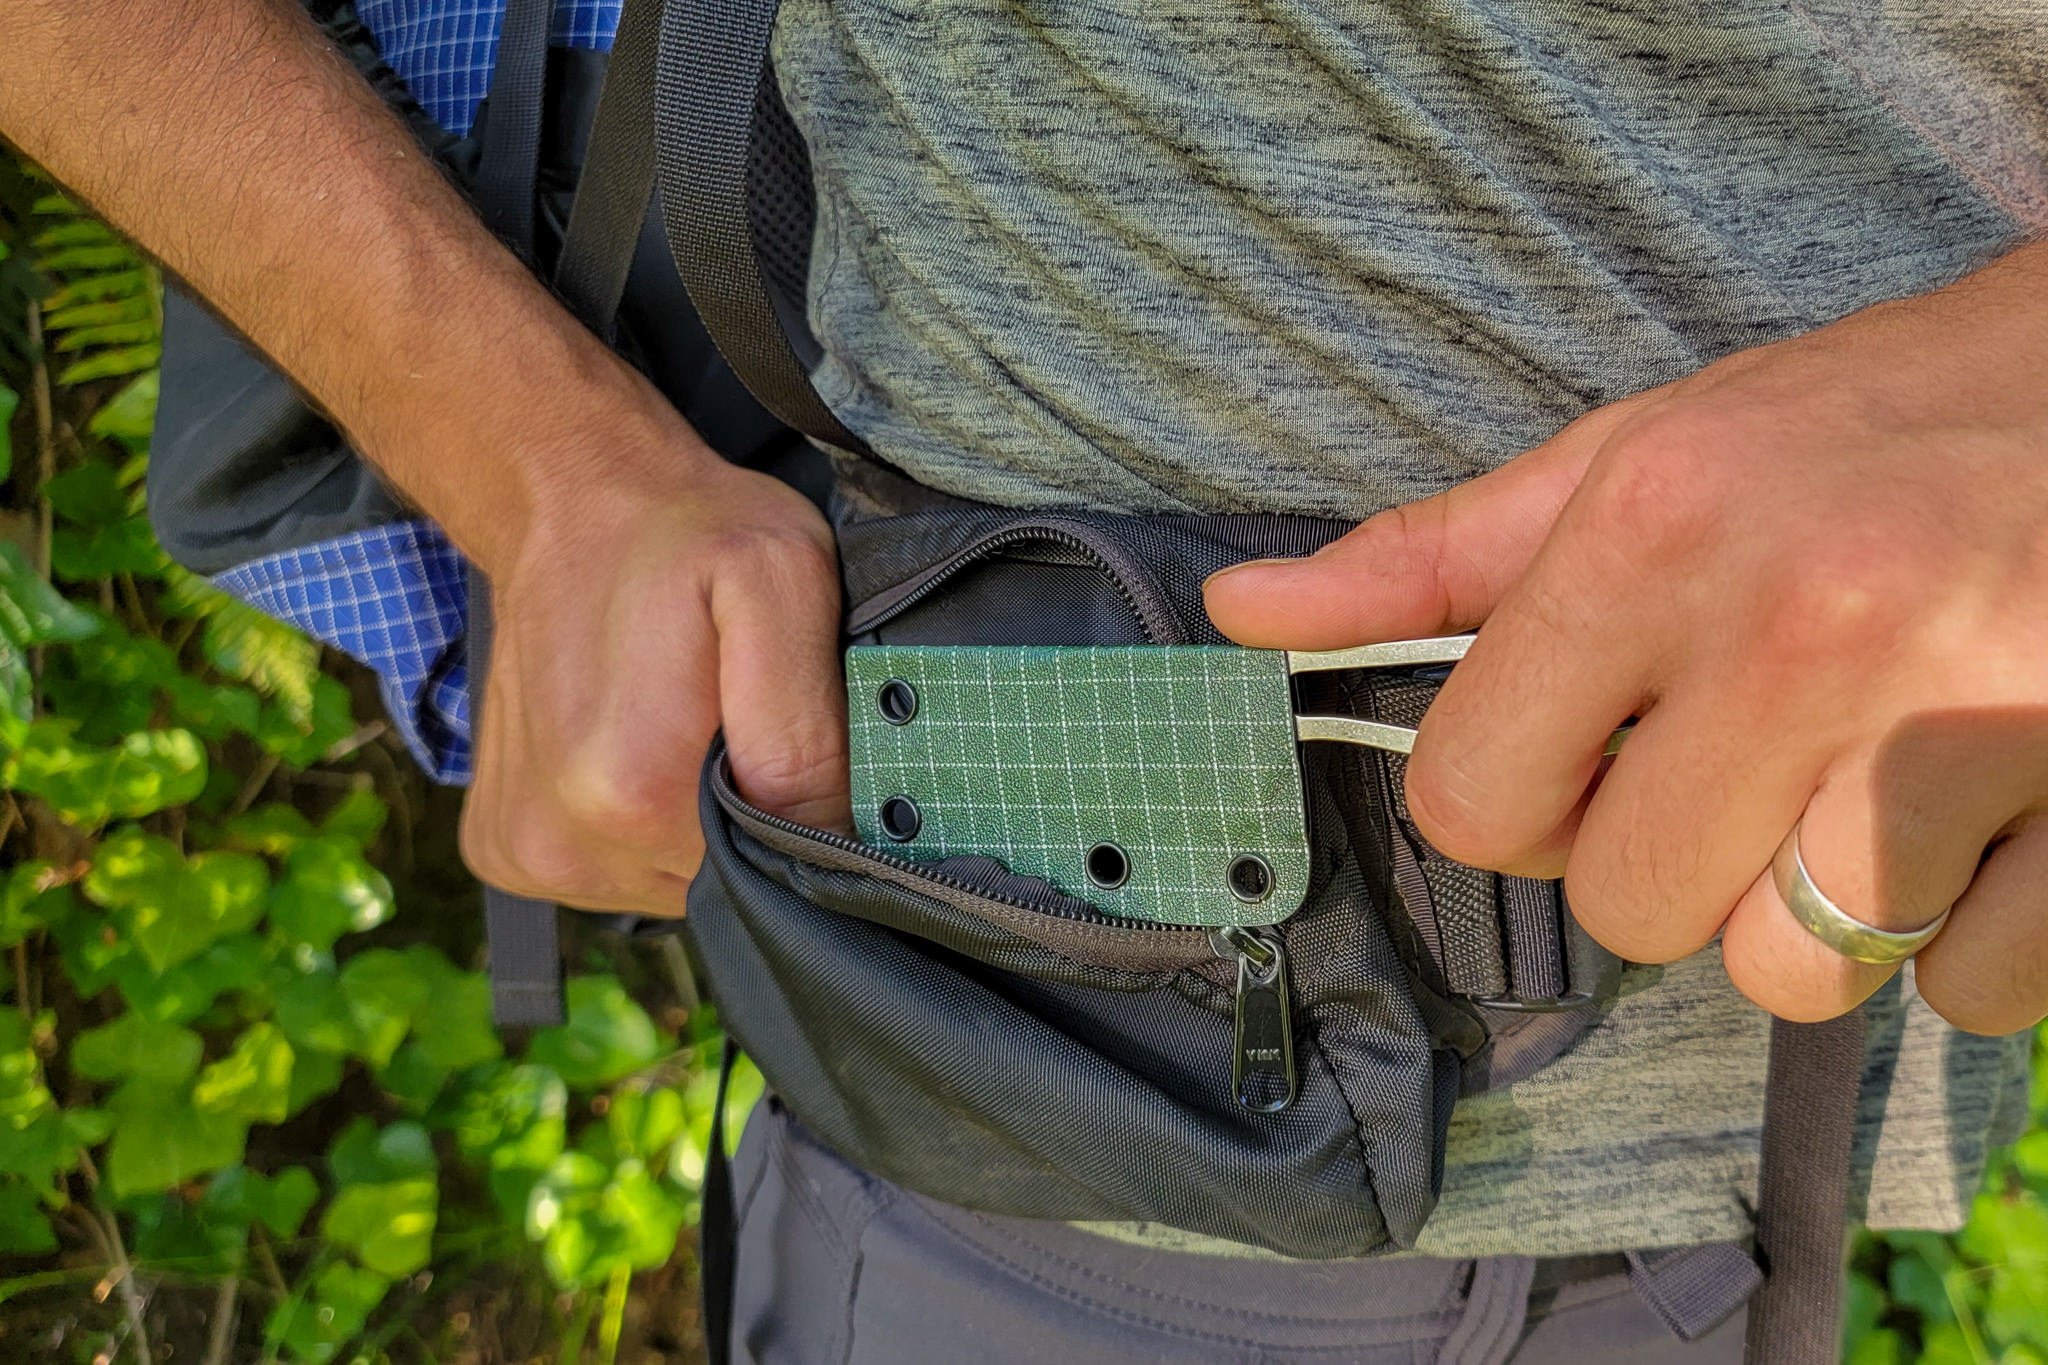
<point x="395" y="599"/>
<point x="444" y="48"/>
<point x="395" y="596"/>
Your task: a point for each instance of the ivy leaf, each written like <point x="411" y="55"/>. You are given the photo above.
<point x="253" y="1081"/>
<point x="384" y="991"/>
<point x="89" y="495"/>
<point x="606" y="1036"/>
<point x="358" y="816"/>
<point x="173" y="907"/>
<point x="328" y="889"/>
<point x="367" y="1155"/>
<point x="162" y="1140"/>
<point x="515" y="1124"/>
<point x="186" y="991"/>
<point x="641" y="1123"/>
<point x="24" y="1230"/>
<point x="311" y="1325"/>
<point x="88" y="785"/>
<point x="303" y="741"/>
<point x="452" y="1027"/>
<point x="388" y="1227"/>
<point x="280" y="1202"/>
<point x="32" y="613"/>
<point x="315" y="1015"/>
<point x="123" y="547"/>
<point x="134" y="1045"/>
<point x="592" y="1220"/>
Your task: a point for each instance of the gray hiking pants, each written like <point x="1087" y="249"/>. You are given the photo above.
<point x="836" y="1266"/>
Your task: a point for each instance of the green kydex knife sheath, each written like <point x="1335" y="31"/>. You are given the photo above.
<point x="1158" y="783"/>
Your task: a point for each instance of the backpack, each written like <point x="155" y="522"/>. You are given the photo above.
<point x="992" y="1040"/>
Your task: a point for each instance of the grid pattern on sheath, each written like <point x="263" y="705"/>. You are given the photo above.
<point x="1183" y="757"/>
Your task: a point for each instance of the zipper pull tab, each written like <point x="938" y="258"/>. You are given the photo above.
<point x="1262" y="1074"/>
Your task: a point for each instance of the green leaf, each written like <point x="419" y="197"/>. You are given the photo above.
<point x="642" y="1123"/>
<point x="607" y="1036"/>
<point x="9" y="402"/>
<point x="304" y="742"/>
<point x="89" y="495"/>
<point x="24" y="1230"/>
<point x="453" y="1024"/>
<point x="130" y="415"/>
<point x="358" y="816"/>
<point x="514" y="1123"/>
<point x="113" y="284"/>
<point x="266" y="653"/>
<point x="173" y="907"/>
<point x="280" y="1202"/>
<point x="112" y="364"/>
<point x="367" y="1155"/>
<point x="148" y="771"/>
<point x="388" y="1227"/>
<point x="253" y="1081"/>
<point x="184" y="992"/>
<point x="311" y="1325"/>
<point x="32" y="614"/>
<point x="124" y="547"/>
<point x="1919" y="1286"/>
<point x="384" y="989"/>
<point x="592" y="1220"/>
<point x="134" y="1045"/>
<point x="97" y="313"/>
<point x="1883" y="1347"/>
<point x="162" y="1140"/>
<point x="315" y="1015"/>
<point x="95" y="258"/>
<point x="328" y="889"/>
<point x="107" y="334"/>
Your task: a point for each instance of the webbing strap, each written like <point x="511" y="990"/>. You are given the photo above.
<point x="712" y="86"/>
<point x="1810" y="1103"/>
<point x="718" y="1225"/>
<point x="1494" y="937"/>
<point x="617" y="181"/>
<point x="522" y="935"/>
<point x="1693" y="1290"/>
<point x="509" y="159"/>
<point x="1496" y="1310"/>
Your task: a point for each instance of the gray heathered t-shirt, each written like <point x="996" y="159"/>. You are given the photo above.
<point x="1328" y="255"/>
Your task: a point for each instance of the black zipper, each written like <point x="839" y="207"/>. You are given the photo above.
<point x="1263" y="1075"/>
<point x="1148" y="606"/>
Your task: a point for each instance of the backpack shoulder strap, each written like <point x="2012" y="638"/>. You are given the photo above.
<point x="718" y="123"/>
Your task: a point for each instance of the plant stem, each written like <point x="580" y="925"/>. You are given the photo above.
<point x="614" y="1314"/>
<point x="131" y="1298"/>
<point x="220" y="1332"/>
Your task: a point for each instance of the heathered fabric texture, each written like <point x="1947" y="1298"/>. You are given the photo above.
<point x="1327" y="255"/>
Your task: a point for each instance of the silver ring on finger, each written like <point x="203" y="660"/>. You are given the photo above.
<point x="1841" y="931"/>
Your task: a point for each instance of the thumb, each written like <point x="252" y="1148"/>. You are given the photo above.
<point x="1424" y="568"/>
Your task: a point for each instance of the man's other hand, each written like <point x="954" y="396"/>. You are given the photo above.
<point x="648" y="603"/>
<point x="1817" y="572"/>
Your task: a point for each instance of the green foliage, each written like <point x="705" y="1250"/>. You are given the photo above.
<point x="235" y="1049"/>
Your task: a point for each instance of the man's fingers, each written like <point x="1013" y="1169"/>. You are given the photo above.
<point x="1894" y="858"/>
<point x="781" y="692"/>
<point x="1424" y="568"/>
<point x="1658" y="861"/>
<point x="1987" y="971"/>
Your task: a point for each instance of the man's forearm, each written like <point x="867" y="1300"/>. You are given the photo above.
<point x="227" y="137"/>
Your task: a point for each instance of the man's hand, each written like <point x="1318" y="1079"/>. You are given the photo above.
<point x="634" y="618"/>
<point x="646" y="592"/>
<point x="1818" y="574"/>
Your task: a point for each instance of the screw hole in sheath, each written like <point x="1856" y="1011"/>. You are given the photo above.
<point x="1251" y="881"/>
<point x="898" y="701"/>
<point x="1108" y="866"/>
<point x="901" y="819"/>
